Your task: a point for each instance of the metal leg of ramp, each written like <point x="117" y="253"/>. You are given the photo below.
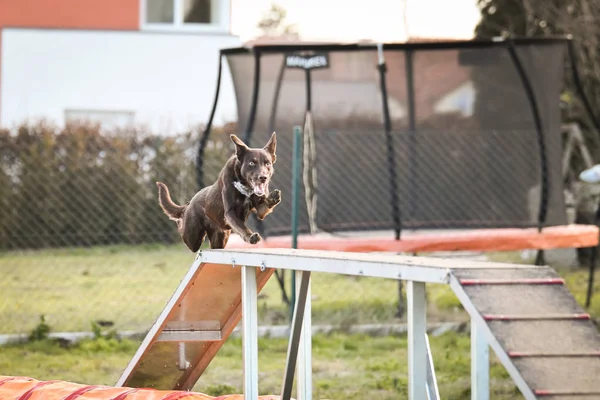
<point x="417" y="345"/>
<point x="480" y="364"/>
<point x="294" y="343"/>
<point x="250" y="332"/>
<point x="304" y="364"/>
<point x="433" y="393"/>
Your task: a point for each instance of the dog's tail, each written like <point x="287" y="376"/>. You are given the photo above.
<point x="172" y="210"/>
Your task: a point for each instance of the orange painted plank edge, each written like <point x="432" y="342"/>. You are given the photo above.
<point x="568" y="236"/>
<point x="13" y="387"/>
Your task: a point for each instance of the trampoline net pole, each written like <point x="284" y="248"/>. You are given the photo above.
<point x="255" y="89"/>
<point x="391" y="155"/>
<point x="276" y="93"/>
<point x="543" y="208"/>
<point x="206" y="133"/>
<point x="412" y="139"/>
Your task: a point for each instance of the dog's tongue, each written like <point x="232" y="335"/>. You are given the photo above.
<point x="260" y="189"/>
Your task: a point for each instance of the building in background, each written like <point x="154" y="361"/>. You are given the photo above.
<point x="150" y="63"/>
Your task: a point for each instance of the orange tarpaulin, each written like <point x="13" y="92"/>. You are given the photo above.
<point x="568" y="236"/>
<point x="25" y="388"/>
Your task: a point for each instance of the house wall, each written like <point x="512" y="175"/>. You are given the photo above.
<point x="89" y="14"/>
<point x="167" y="80"/>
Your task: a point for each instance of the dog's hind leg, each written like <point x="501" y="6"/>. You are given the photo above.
<point x="218" y="239"/>
<point x="194" y="241"/>
<point x="193" y="235"/>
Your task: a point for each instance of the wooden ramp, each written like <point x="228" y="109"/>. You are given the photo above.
<point x="549" y="346"/>
<point x="544" y="333"/>
<point x="193" y="326"/>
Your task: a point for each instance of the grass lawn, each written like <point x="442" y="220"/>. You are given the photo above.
<point x="344" y="366"/>
<point x="130" y="286"/>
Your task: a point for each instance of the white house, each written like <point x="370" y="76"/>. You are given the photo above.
<point x="142" y="62"/>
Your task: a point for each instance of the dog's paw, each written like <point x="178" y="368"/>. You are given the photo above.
<point x="254" y="238"/>
<point x="275" y="197"/>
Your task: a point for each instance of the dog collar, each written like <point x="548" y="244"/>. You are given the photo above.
<point x="245" y="190"/>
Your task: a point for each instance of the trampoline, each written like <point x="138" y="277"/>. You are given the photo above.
<point x="570" y="236"/>
<point x="412" y="147"/>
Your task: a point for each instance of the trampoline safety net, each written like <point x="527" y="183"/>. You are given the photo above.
<point x="431" y="136"/>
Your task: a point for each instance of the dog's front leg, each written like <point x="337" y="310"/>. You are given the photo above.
<point x="266" y="206"/>
<point x="239" y="226"/>
<point x="236" y="212"/>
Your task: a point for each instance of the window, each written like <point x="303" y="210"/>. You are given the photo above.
<point x="194" y="15"/>
<point x="159" y="11"/>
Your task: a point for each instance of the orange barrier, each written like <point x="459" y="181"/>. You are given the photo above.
<point x="568" y="236"/>
<point x="25" y="388"/>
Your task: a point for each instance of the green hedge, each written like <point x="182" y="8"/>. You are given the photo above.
<point x="81" y="185"/>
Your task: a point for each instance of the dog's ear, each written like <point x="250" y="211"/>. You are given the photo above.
<point x="271" y="146"/>
<point x="240" y="147"/>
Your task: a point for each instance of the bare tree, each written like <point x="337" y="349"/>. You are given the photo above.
<point x="273" y="22"/>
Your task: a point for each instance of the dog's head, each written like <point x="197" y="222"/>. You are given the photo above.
<point x="256" y="164"/>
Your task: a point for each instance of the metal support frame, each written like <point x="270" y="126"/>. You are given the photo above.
<point x="433" y="392"/>
<point x="295" y="335"/>
<point x="480" y="365"/>
<point x="304" y="363"/>
<point x="250" y="332"/>
<point x="416" y="271"/>
<point x="484" y="333"/>
<point x="417" y="346"/>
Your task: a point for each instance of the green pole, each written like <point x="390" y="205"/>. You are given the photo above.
<point x="296" y="160"/>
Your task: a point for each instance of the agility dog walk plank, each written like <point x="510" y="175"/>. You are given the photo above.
<point x="193" y="326"/>
<point x="548" y="337"/>
<point x="545" y="340"/>
<point x="547" y="343"/>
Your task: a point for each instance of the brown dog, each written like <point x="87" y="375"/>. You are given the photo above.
<point x="242" y="187"/>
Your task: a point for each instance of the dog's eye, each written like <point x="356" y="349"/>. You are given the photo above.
<point x="251" y="163"/>
<point x="268" y="163"/>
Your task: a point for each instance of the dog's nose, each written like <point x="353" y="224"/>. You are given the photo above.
<point x="262" y="179"/>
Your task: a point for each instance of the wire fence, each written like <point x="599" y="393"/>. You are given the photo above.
<point x="440" y="179"/>
<point x="83" y="239"/>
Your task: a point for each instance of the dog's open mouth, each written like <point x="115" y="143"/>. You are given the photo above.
<point x="260" y="189"/>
